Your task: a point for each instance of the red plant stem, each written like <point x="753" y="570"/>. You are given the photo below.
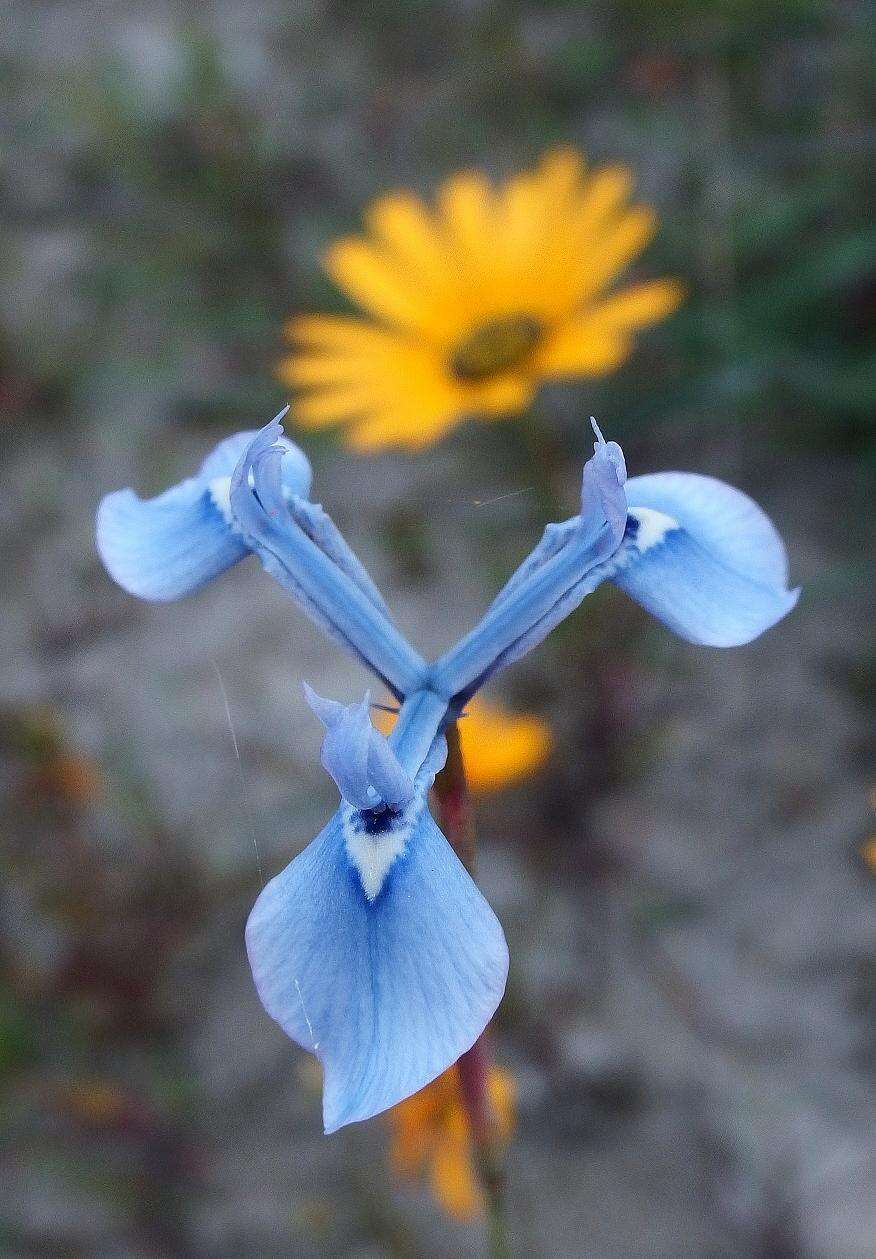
<point x="455" y="815"/>
<point x="472" y="1069"/>
<point x="456" y="819"/>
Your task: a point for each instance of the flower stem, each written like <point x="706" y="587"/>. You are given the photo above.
<point x="456" y="819"/>
<point x="455" y="816"/>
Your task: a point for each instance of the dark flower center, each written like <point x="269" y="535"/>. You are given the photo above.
<point x="377" y="821"/>
<point x="495" y="347"/>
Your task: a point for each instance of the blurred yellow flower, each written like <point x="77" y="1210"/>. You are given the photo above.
<point x="498" y="747"/>
<point x="430" y="1136"/>
<point x="473" y="303"/>
<point x="868" y="848"/>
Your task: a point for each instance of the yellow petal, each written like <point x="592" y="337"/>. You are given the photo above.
<point x="502" y="396"/>
<point x="335" y="332"/>
<point x="371" y="358"/>
<point x="405" y="225"/>
<point x="562" y="169"/>
<point x="618" y="246"/>
<point x="466" y="204"/>
<point x="328" y="406"/>
<point x="520" y="207"/>
<point x="539" y="243"/>
<point x="637" y="306"/>
<point x="500" y="747"/>
<point x="432" y="1129"/>
<point x="605" y="193"/>
<point x="402" y="431"/>
<point x="581" y="349"/>
<point x="322" y="369"/>
<point x="453" y="1180"/>
<point x="416" y="1123"/>
<point x="377" y="283"/>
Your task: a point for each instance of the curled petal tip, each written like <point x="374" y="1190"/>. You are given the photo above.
<point x="168" y="546"/>
<point x="360" y="760"/>
<point x="603" y="501"/>
<point x="275" y="427"/>
<point x="610" y="449"/>
<point x="328" y="711"/>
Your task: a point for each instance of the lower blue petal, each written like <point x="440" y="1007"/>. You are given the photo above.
<point x="389" y="991"/>
<point x="703" y="558"/>
<point x="165" y="547"/>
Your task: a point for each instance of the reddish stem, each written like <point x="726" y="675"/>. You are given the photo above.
<point x="456" y="820"/>
<point x="455" y="815"/>
<point x="472" y="1069"/>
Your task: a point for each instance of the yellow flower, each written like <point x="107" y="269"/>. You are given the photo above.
<point x="473" y="303"/>
<point x="498" y="747"/>
<point x="430" y="1136"/>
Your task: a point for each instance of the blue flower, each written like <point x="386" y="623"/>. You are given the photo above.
<point x="374" y="949"/>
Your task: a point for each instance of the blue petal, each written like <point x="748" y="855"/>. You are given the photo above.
<point x="389" y="991"/>
<point x="320" y="527"/>
<point x="386" y="775"/>
<point x="344" y="752"/>
<point x="338" y="602"/>
<point x="727" y="522"/>
<point x="703" y="558"/>
<point x="567" y="564"/>
<point x="165" y="547"/>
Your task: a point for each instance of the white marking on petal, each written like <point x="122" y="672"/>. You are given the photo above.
<point x="220" y="493"/>
<point x="373" y="854"/>
<point x="653" y="527"/>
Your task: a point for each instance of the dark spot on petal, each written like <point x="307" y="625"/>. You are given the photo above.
<point x="377" y="821"/>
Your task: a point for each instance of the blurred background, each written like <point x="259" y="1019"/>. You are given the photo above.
<point x="685" y="883"/>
